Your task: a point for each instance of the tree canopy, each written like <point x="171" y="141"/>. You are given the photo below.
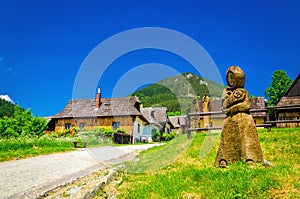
<point x="278" y="87"/>
<point x="22" y="122"/>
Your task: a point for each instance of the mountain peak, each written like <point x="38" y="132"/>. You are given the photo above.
<point x="178" y="92"/>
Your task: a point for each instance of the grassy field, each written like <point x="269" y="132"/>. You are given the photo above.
<point x="192" y="174"/>
<point x="23" y="147"/>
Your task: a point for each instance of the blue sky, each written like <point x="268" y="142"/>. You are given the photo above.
<point x="44" y="43"/>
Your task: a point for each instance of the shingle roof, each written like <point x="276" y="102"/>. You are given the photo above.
<point x="148" y="113"/>
<point x="292" y="96"/>
<point x="108" y="107"/>
<point x="294" y="89"/>
<point x="174" y="121"/>
<point x="156" y="115"/>
<point x="160" y="115"/>
<point x="289" y="101"/>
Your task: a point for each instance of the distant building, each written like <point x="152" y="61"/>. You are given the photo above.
<point x="179" y="123"/>
<point x="158" y="121"/>
<point x="287" y="111"/>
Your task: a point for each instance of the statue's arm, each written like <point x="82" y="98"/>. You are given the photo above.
<point x="237" y="102"/>
<point x="240" y="107"/>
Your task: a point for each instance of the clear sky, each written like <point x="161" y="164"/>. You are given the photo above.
<point x="44" y="43"/>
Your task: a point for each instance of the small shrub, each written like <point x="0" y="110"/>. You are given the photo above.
<point x="109" y="132"/>
<point x="169" y="136"/>
<point x="155" y="135"/>
<point x="120" y="130"/>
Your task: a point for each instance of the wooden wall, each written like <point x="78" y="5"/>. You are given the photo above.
<point x="125" y="122"/>
<point x="289" y="115"/>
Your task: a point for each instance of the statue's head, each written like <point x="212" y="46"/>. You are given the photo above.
<point x="235" y="77"/>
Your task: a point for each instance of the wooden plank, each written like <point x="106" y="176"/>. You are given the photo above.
<point x="283" y="121"/>
<point x="284" y="106"/>
<point x="263" y="125"/>
<point x="258" y="110"/>
<point x="206" y="113"/>
<point x="205" y="129"/>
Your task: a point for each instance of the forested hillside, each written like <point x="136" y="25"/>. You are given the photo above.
<point x="6" y="108"/>
<point x="177" y="92"/>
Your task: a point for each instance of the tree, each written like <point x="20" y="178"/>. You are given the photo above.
<point x="21" y="123"/>
<point x="6" y="108"/>
<point x="278" y="87"/>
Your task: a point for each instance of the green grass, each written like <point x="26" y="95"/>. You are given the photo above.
<point x="157" y="157"/>
<point x="194" y="176"/>
<point x="22" y="147"/>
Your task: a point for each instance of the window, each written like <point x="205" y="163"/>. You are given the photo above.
<point x="82" y="125"/>
<point x="115" y="125"/>
<point x="67" y="126"/>
<point x="139" y="128"/>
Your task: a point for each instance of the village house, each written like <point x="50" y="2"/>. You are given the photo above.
<point x="158" y="121"/>
<point x="179" y="123"/>
<point x="111" y="113"/>
<point x="126" y="113"/>
<point x="287" y="111"/>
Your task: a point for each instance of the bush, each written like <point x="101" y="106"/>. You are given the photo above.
<point x="98" y="136"/>
<point x="120" y="130"/>
<point x="109" y="132"/>
<point x="72" y="132"/>
<point x="169" y="136"/>
<point x="155" y="135"/>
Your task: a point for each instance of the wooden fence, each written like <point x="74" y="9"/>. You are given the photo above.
<point x="267" y="123"/>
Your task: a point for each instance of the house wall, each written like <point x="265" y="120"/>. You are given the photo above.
<point x="138" y="128"/>
<point x="289" y="115"/>
<point x="216" y="122"/>
<point x="259" y="120"/>
<point x="125" y="122"/>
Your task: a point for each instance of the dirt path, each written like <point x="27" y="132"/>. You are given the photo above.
<point x="30" y="178"/>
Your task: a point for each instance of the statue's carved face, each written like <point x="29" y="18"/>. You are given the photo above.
<point x="235" y="77"/>
<point x="230" y="79"/>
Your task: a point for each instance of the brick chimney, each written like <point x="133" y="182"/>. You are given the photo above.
<point x="98" y="98"/>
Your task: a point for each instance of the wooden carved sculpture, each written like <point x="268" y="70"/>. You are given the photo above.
<point x="239" y="139"/>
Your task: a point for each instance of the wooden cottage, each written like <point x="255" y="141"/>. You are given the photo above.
<point x="111" y="113"/>
<point x="158" y="121"/>
<point x="287" y="111"/>
<point x="179" y="123"/>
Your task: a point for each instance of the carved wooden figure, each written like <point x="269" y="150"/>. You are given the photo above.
<point x="239" y="139"/>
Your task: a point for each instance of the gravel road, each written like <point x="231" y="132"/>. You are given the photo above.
<point x="31" y="177"/>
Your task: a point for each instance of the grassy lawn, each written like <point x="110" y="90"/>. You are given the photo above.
<point x="192" y="174"/>
<point x="23" y="147"/>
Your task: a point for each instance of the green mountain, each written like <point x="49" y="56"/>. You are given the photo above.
<point x="177" y="92"/>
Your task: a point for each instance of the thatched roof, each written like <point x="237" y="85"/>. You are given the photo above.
<point x="108" y="107"/>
